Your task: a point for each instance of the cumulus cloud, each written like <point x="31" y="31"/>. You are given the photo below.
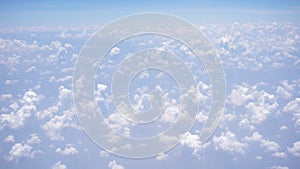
<point x="228" y="142"/>
<point x="114" y="165"/>
<point x="259" y="103"/>
<point x="9" y="138"/>
<point x="20" y="150"/>
<point x="278" y="167"/>
<point x="34" y="139"/>
<point x="280" y="155"/>
<point x="59" y="165"/>
<point x="193" y="141"/>
<point x="294" y="107"/>
<point x="68" y="150"/>
<point x="161" y="156"/>
<point x="295" y="150"/>
<point x="21" y="111"/>
<point x="270" y="146"/>
<point x="114" y="51"/>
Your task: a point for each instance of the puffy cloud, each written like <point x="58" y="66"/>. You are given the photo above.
<point x="249" y="46"/>
<point x="270" y="146"/>
<point x="113" y="165"/>
<point x="69" y="150"/>
<point x="54" y="126"/>
<point x="285" y="90"/>
<point x="278" y="167"/>
<point x="19" y="114"/>
<point x="193" y="141"/>
<point x="228" y="142"/>
<point x="10" y="82"/>
<point x="9" y="138"/>
<point x="259" y="103"/>
<point x="295" y="150"/>
<point x="20" y="150"/>
<point x="255" y="137"/>
<point x="282" y="128"/>
<point x="280" y="155"/>
<point x="161" y="156"/>
<point x="6" y="97"/>
<point x="34" y="139"/>
<point x="294" y="107"/>
<point x="114" y="51"/>
<point x="59" y="165"/>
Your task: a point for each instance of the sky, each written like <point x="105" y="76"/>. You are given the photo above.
<point x="15" y="13"/>
<point x="44" y="46"/>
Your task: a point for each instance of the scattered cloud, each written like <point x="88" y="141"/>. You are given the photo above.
<point x="227" y="142"/>
<point x="295" y="150"/>
<point x="113" y="165"/>
<point x="68" y="150"/>
<point x="20" y="150"/>
<point x="9" y="138"/>
<point x="59" y="165"/>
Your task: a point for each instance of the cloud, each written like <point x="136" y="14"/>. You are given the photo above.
<point x="294" y="107"/>
<point x="113" y="165"/>
<point x="9" y="138"/>
<point x="280" y="155"/>
<point x="34" y="139"/>
<point x="21" y="111"/>
<point x="161" y="156"/>
<point x="259" y="103"/>
<point x="228" y="142"/>
<point x="10" y="82"/>
<point x="193" y="141"/>
<point x="59" y="165"/>
<point x="278" y="167"/>
<point x="69" y="150"/>
<point x="295" y="150"/>
<point x="114" y="51"/>
<point x="285" y="90"/>
<point x="20" y="150"/>
<point x="269" y="146"/>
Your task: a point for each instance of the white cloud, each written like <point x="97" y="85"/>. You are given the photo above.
<point x="285" y="90"/>
<point x="9" y="138"/>
<point x="104" y="153"/>
<point x="294" y="107"/>
<point x="258" y="157"/>
<point x="280" y="155"/>
<point x="69" y="150"/>
<point x="59" y="165"/>
<point x="193" y="141"/>
<point x="161" y="156"/>
<point x="6" y="97"/>
<point x="114" y="51"/>
<point x="278" y="167"/>
<point x="270" y="146"/>
<point x="113" y="165"/>
<point x="255" y="137"/>
<point x="54" y="126"/>
<point x="17" y="117"/>
<point x="295" y="150"/>
<point x="282" y="128"/>
<point x="20" y="150"/>
<point x="31" y="69"/>
<point x="260" y="104"/>
<point x="10" y="82"/>
<point x="228" y="142"/>
<point x="34" y="139"/>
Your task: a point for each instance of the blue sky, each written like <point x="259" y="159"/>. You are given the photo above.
<point x="15" y="13"/>
<point x="259" y="46"/>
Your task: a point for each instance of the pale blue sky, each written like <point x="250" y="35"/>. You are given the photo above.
<point x="18" y="13"/>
